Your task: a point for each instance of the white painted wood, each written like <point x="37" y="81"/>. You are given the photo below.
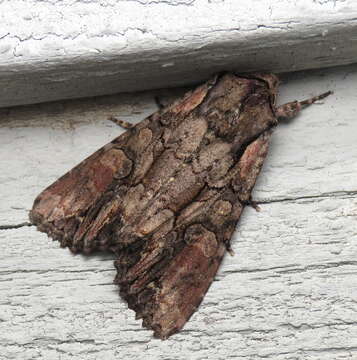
<point x="53" y="50"/>
<point x="288" y="293"/>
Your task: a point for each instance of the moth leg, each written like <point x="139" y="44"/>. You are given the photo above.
<point x="253" y="204"/>
<point x="291" y="109"/>
<point x="229" y="249"/>
<point x="122" y="123"/>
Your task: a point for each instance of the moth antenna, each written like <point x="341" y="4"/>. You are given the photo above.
<point x="158" y="102"/>
<point x="291" y="109"/>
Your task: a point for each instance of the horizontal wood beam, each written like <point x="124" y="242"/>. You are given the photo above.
<point x="59" y="50"/>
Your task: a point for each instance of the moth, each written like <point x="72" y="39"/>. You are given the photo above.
<point x="166" y="195"/>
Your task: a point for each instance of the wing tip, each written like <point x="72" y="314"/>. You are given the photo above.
<point x="144" y="308"/>
<point x="57" y="234"/>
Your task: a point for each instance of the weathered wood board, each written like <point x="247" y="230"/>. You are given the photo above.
<point x="289" y="292"/>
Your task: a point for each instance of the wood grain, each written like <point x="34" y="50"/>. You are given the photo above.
<point x="51" y="51"/>
<point x="288" y="293"/>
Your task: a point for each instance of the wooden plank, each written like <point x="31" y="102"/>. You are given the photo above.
<point x="288" y="293"/>
<point x="58" y="50"/>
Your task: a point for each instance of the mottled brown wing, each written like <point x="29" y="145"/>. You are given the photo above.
<point x="165" y="279"/>
<point x="80" y="204"/>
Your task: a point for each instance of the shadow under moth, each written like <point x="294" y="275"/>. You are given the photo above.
<point x="166" y="195"/>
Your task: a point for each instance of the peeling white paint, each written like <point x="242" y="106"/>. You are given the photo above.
<point x="288" y="293"/>
<point x="130" y="42"/>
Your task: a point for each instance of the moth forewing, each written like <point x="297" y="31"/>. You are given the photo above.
<point x="166" y="195"/>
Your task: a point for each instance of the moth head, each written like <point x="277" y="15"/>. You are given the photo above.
<point x="235" y="102"/>
<point x="272" y="81"/>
